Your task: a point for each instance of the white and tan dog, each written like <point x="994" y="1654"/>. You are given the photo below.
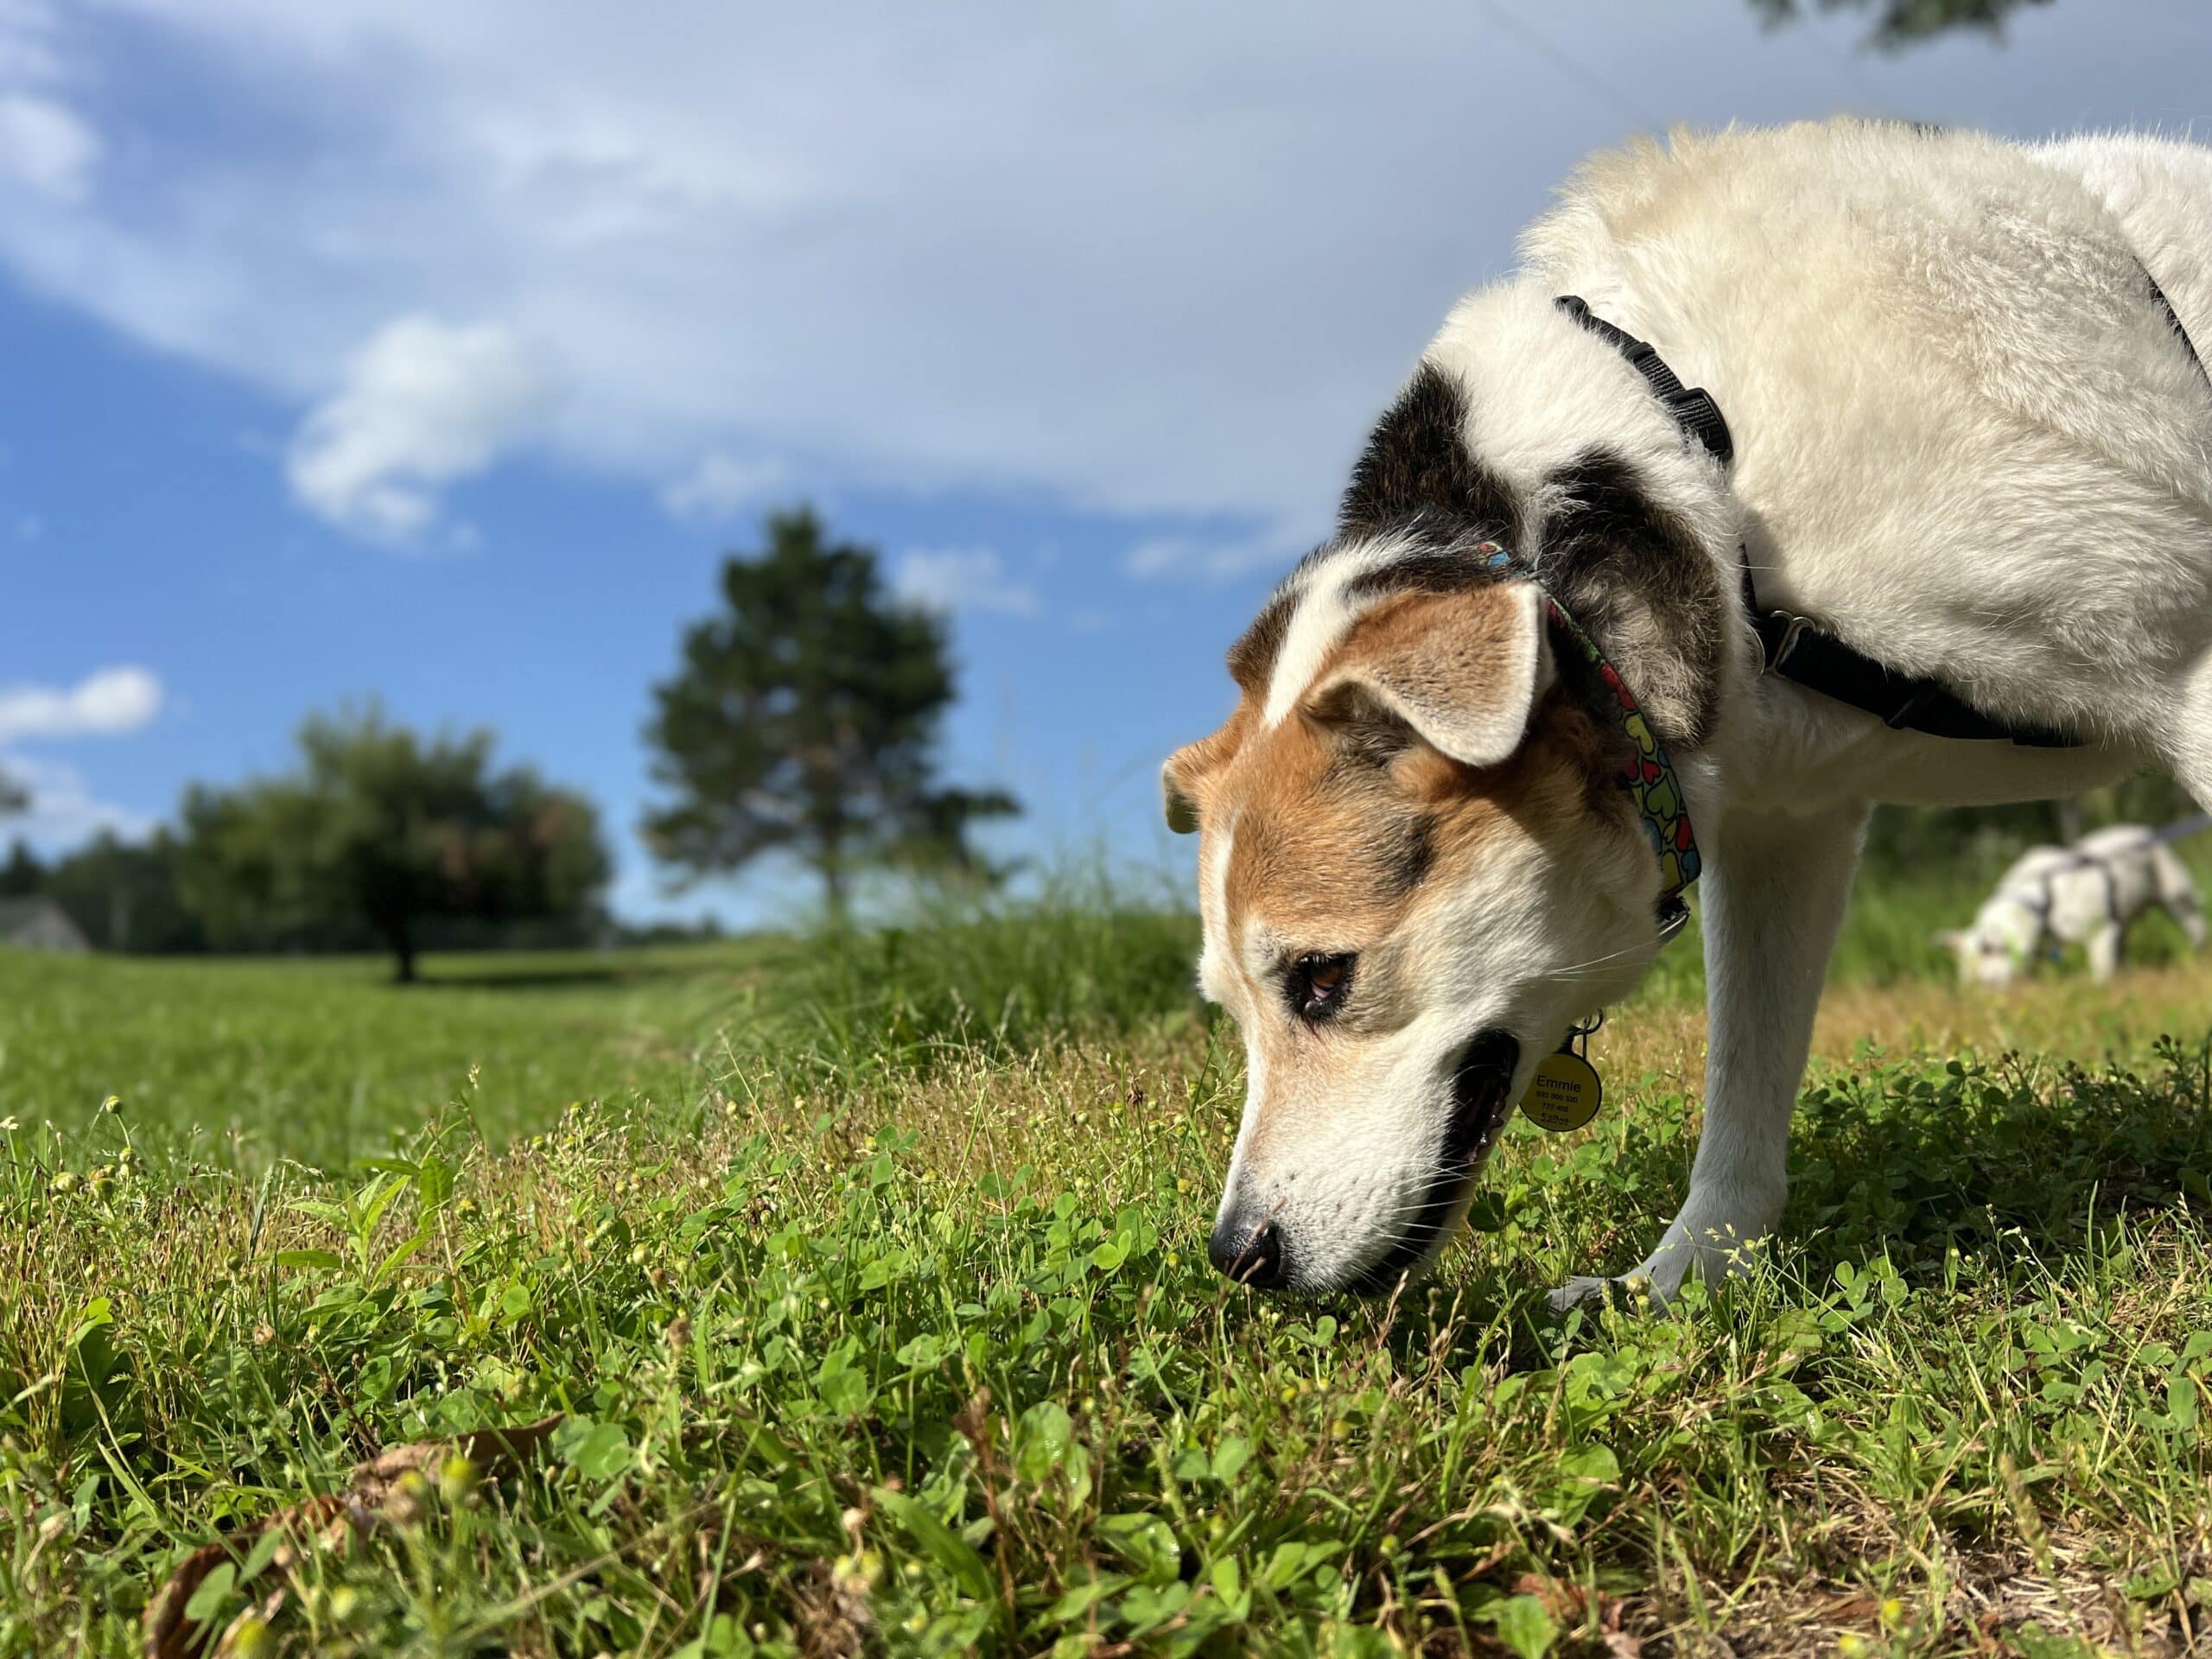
<point x="2088" y="895"/>
<point x="1967" y="441"/>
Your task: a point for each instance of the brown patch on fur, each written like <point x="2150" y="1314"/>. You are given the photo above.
<point x="1315" y="834"/>
<point x="1452" y="663"/>
<point x="1319" y="859"/>
<point x="1453" y="654"/>
<point x="1252" y="658"/>
<point x="1343" y="819"/>
<point x="1327" y="836"/>
<point x="1186" y="780"/>
<point x="1344" y="812"/>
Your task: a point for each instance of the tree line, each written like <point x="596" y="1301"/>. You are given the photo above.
<point x="376" y="838"/>
<point x="803" y="720"/>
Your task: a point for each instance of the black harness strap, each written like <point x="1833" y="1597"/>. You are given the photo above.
<point x="2046" y="898"/>
<point x="1692" y="407"/>
<point x="1795" y="648"/>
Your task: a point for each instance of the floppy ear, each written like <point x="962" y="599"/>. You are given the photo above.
<point x="1463" y="670"/>
<point x="1182" y="777"/>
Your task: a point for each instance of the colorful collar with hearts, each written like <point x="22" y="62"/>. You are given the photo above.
<point x="1648" y="776"/>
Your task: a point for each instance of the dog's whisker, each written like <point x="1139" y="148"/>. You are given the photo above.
<point x="1593" y="962"/>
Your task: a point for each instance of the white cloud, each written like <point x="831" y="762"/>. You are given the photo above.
<point x="719" y="484"/>
<point x="104" y="703"/>
<point x="46" y="146"/>
<point x="962" y="579"/>
<point x="1029" y="253"/>
<point x="1018" y="247"/>
<point x="422" y="404"/>
<point x="62" y="809"/>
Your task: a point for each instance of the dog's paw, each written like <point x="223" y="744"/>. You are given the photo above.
<point x="1579" y="1292"/>
<point x="1634" y="1292"/>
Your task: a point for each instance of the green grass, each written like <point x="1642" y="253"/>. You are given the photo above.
<point x="321" y="1061"/>
<point x="244" y="1062"/>
<point x="869" y="1280"/>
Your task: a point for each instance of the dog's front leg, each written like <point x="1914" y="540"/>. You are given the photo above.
<point x="1774" y="897"/>
<point x="2104" y="949"/>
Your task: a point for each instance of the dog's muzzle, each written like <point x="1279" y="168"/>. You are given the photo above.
<point x="1482" y="1099"/>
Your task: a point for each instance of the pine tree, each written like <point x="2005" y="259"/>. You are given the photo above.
<point x="804" y="720"/>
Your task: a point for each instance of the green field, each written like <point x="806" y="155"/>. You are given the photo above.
<point x="866" y="1281"/>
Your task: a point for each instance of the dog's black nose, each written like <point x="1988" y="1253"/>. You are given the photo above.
<point x="1250" y="1255"/>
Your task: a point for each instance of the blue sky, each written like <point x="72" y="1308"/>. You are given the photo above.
<point x="436" y="351"/>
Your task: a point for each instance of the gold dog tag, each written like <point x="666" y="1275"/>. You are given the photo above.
<point x="1565" y="1093"/>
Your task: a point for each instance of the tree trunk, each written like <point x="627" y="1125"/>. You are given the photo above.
<point x="402" y="940"/>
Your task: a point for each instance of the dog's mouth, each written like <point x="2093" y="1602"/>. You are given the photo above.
<point x="1482" y="1099"/>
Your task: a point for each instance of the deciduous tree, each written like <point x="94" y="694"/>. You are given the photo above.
<point x="379" y="831"/>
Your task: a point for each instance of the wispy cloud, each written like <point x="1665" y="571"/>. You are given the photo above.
<point x="1034" y="254"/>
<point x="422" y="404"/>
<point x="913" y="297"/>
<point x="105" y="703"/>
<point x="1208" y="558"/>
<point x="46" y="146"/>
<point x="962" y="579"/>
<point x="719" y="484"/>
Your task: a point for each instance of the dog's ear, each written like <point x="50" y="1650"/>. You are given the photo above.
<point x="1183" y="775"/>
<point x="1463" y="671"/>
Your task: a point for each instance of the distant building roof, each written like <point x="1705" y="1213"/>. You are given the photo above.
<point x="38" y="923"/>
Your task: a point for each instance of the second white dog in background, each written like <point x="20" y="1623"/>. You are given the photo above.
<point x="2087" y="894"/>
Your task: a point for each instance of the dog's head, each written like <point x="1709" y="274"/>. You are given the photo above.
<point x="1416" y="865"/>
<point x="1417" y="868"/>
<point x="1999" y="944"/>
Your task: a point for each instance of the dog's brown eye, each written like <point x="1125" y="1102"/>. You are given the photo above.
<point x="1318" y="985"/>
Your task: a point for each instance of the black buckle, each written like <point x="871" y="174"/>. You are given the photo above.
<point x="1692" y="407"/>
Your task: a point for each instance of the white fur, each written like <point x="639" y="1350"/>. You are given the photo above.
<point x="1965" y="437"/>
<point x="2089" y="894"/>
<point x="1213" y="910"/>
<point x="1324" y="613"/>
<point x="1965" y="441"/>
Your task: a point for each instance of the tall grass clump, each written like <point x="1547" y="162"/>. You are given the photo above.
<point x="1079" y="959"/>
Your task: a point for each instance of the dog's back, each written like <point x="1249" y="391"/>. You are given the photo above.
<point x="1964" y="428"/>
<point x="2160" y="190"/>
